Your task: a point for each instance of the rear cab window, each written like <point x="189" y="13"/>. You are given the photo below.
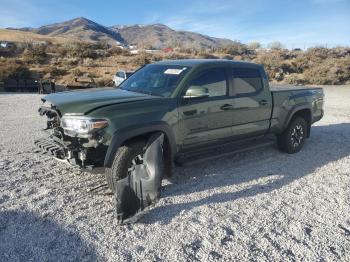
<point x="246" y="81"/>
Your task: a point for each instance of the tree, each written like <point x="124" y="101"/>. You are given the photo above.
<point x="275" y="45"/>
<point x="254" y="45"/>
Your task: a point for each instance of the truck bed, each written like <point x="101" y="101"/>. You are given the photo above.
<point x="287" y="99"/>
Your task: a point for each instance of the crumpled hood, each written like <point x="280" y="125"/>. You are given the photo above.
<point x="84" y="101"/>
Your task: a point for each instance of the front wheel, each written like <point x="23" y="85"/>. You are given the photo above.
<point x="126" y="157"/>
<point x="293" y="138"/>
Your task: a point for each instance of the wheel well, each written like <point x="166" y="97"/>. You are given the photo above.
<point x="167" y="150"/>
<point x="145" y="136"/>
<point x="306" y="114"/>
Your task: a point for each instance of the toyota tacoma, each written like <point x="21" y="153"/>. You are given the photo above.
<point x="197" y="105"/>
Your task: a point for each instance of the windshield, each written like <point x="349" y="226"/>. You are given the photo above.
<point x="158" y="80"/>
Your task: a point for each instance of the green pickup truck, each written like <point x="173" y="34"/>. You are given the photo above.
<point x="198" y="105"/>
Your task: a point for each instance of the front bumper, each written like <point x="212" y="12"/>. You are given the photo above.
<point x="73" y="153"/>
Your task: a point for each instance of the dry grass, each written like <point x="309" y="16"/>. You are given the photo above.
<point x="24" y="37"/>
<point x="64" y="61"/>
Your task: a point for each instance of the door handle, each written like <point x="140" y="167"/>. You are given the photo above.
<point x="226" y="107"/>
<point x="263" y="102"/>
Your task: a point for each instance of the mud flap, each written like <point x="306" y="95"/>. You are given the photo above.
<point x="141" y="188"/>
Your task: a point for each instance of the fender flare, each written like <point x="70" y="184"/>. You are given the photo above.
<point x="121" y="135"/>
<point x="293" y="111"/>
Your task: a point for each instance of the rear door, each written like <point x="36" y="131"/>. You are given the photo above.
<point x="206" y="120"/>
<point x="252" y="102"/>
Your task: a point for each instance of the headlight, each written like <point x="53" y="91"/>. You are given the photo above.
<point x="81" y="126"/>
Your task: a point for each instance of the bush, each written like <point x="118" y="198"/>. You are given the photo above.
<point x="300" y="64"/>
<point x="227" y="57"/>
<point x="175" y="55"/>
<point x="275" y="45"/>
<point x="10" y="68"/>
<point x="55" y="72"/>
<point x="254" y="45"/>
<point x="330" y="72"/>
<point x="81" y="50"/>
<point x="117" y="51"/>
<point x="71" y="61"/>
<point x="237" y="48"/>
<point x="89" y="62"/>
<point x="77" y="72"/>
<point x="142" y="59"/>
<point x="295" y="79"/>
<point x="204" y="55"/>
<point x="35" y="54"/>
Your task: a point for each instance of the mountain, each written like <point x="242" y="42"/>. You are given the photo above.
<point x="159" y="36"/>
<point x="81" y="29"/>
<point x="155" y="35"/>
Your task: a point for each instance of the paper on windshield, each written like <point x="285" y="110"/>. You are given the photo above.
<point x="173" y="71"/>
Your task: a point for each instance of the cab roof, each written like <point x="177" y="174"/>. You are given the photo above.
<point x="202" y="62"/>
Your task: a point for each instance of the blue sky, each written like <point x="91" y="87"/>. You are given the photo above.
<point x="294" y="23"/>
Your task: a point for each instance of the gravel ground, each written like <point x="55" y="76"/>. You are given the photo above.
<point x="261" y="206"/>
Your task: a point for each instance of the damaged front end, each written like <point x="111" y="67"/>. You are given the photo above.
<point x="77" y="139"/>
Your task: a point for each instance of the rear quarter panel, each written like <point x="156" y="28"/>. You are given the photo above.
<point x="288" y="102"/>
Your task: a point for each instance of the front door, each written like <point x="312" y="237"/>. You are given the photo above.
<point x="206" y="113"/>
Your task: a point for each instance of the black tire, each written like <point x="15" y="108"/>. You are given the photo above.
<point x="123" y="161"/>
<point x="293" y="138"/>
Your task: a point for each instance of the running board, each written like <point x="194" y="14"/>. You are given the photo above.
<point x="197" y="157"/>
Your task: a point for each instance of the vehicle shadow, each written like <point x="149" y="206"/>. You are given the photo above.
<point x="263" y="170"/>
<point x="26" y="237"/>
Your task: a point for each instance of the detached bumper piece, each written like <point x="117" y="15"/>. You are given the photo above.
<point x="51" y="147"/>
<point x="141" y="188"/>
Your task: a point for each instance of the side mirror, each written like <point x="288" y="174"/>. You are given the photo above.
<point x="196" y="92"/>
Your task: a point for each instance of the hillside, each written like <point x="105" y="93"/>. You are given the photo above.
<point x="18" y="36"/>
<point x="155" y="35"/>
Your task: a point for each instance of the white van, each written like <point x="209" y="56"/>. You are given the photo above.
<point x="120" y="76"/>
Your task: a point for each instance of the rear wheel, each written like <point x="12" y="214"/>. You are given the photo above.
<point x="126" y="158"/>
<point x="293" y="138"/>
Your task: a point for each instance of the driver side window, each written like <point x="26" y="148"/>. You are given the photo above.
<point x="213" y="80"/>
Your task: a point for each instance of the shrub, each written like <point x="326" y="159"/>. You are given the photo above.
<point x="53" y="71"/>
<point x="254" y="45"/>
<point x="330" y="72"/>
<point x="89" y="62"/>
<point x="275" y="45"/>
<point x="295" y="79"/>
<point x="115" y="51"/>
<point x="227" y="57"/>
<point x="142" y="59"/>
<point x="77" y="72"/>
<point x="236" y="48"/>
<point x="81" y="50"/>
<point x="207" y="56"/>
<point x="300" y="64"/>
<point x="175" y="55"/>
<point x="35" y="54"/>
<point x="70" y="61"/>
<point x="10" y="68"/>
